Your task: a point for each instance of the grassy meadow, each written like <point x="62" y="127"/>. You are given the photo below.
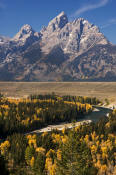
<point x="101" y="90"/>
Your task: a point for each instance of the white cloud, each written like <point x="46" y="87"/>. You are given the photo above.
<point x="89" y="7"/>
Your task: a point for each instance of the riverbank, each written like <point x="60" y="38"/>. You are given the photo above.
<point x="97" y="114"/>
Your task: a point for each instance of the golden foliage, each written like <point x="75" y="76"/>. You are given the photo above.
<point x="4" y="147"/>
<point x="32" y="161"/>
<point x="40" y="150"/>
<point x="44" y="134"/>
<point x="32" y="140"/>
<point x="50" y="152"/>
<point x="59" y="154"/>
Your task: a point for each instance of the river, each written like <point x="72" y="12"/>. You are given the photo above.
<point x="97" y="114"/>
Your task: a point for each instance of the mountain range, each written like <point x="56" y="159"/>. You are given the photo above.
<point x="62" y="51"/>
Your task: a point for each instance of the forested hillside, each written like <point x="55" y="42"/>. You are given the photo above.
<point x="35" y="112"/>
<point x="88" y="149"/>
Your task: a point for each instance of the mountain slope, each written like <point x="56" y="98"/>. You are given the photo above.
<point x="62" y="51"/>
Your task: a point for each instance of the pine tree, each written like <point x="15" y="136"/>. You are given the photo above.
<point x="75" y="158"/>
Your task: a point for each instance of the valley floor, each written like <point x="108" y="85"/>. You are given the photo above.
<point x="101" y="90"/>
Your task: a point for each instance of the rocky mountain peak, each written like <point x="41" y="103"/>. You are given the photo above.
<point x="67" y="50"/>
<point x="58" y="22"/>
<point x="25" y="32"/>
<point x="26" y="28"/>
<point x="85" y="25"/>
<point x="26" y="35"/>
<point x="73" y="37"/>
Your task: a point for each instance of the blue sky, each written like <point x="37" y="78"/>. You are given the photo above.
<point x="37" y="13"/>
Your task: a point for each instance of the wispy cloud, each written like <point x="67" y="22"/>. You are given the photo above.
<point x="109" y="23"/>
<point x="89" y="7"/>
